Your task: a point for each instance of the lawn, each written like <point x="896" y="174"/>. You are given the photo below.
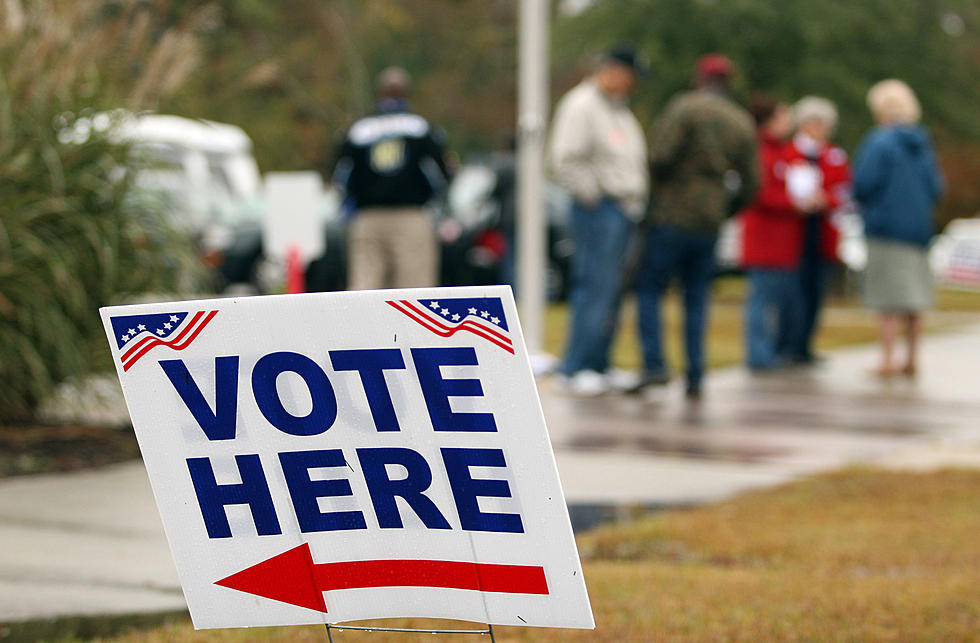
<point x="856" y="555"/>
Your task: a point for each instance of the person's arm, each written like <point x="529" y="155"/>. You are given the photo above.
<point x="937" y="182"/>
<point x="571" y="153"/>
<point x="838" y="182"/>
<point x="747" y="164"/>
<point x="667" y="140"/>
<point x="343" y="166"/>
<point x="772" y="198"/>
<point x="870" y="166"/>
<point x="433" y="162"/>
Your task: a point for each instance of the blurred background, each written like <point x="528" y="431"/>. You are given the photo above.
<point x="139" y="140"/>
<point x="134" y="134"/>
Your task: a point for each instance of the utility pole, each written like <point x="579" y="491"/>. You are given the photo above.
<point x="532" y="119"/>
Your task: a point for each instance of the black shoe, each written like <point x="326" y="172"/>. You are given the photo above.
<point x="693" y="391"/>
<point x="809" y="359"/>
<point x="776" y="364"/>
<point x="648" y="379"/>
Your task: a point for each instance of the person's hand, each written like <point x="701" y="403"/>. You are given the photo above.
<point x="816" y="204"/>
<point x="820" y="201"/>
<point x="591" y="202"/>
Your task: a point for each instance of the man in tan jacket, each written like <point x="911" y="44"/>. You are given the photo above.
<point x="598" y="153"/>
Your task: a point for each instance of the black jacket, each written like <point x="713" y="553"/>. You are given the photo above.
<point x="391" y="159"/>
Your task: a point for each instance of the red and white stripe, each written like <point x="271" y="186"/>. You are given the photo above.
<point x="178" y="342"/>
<point x="438" y="326"/>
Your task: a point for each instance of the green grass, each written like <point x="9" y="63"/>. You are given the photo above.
<point x="956" y="300"/>
<point x="843" y="323"/>
<point x="857" y="555"/>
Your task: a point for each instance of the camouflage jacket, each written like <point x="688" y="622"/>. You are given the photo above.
<point x="699" y="144"/>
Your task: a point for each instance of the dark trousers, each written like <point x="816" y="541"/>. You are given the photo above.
<point x="812" y="277"/>
<point x="672" y="251"/>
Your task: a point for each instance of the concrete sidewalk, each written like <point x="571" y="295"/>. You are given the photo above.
<point x="750" y="431"/>
<point x="87" y="543"/>
<point x="91" y="543"/>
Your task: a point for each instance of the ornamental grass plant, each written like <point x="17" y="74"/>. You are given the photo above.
<point x="74" y="235"/>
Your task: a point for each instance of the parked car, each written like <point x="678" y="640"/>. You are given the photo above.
<point x="200" y="172"/>
<point x="955" y="254"/>
<point x="207" y="177"/>
<point x="209" y="181"/>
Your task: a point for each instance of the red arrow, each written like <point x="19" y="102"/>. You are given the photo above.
<point x="292" y="577"/>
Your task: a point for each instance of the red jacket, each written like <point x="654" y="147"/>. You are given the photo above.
<point x="836" y="172"/>
<point x="772" y="231"/>
<point x="772" y="228"/>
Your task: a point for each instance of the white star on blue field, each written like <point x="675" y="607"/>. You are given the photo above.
<point x="486" y="309"/>
<point x="126" y="328"/>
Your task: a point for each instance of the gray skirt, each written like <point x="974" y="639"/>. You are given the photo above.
<point x="897" y="277"/>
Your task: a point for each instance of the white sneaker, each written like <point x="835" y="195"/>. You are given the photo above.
<point x="584" y="384"/>
<point x="622" y="380"/>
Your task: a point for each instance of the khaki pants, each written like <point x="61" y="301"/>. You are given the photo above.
<point x="392" y="248"/>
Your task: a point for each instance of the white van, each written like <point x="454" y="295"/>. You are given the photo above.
<point x="209" y="180"/>
<point x="208" y="166"/>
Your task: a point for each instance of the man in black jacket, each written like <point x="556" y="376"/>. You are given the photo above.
<point x="390" y="164"/>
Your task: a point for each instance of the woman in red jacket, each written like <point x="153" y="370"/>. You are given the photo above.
<point x="818" y="182"/>
<point x="772" y="237"/>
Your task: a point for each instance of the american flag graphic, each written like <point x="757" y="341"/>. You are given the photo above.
<point x="482" y="316"/>
<point x="136" y="335"/>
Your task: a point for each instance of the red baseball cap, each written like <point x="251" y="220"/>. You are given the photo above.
<point x="715" y="65"/>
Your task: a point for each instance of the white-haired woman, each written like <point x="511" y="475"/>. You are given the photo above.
<point x="818" y="182"/>
<point x="897" y="183"/>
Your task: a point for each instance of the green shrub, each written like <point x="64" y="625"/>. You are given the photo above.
<point x="73" y="237"/>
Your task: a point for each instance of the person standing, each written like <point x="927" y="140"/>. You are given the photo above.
<point x="772" y="234"/>
<point x="704" y="162"/>
<point x="390" y="164"/>
<point x="897" y="183"/>
<point x="818" y="179"/>
<point x="598" y="153"/>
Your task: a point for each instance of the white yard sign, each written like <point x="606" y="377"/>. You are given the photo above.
<point x="341" y="456"/>
<point x="293" y="222"/>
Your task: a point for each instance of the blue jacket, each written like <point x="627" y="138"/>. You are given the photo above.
<point x="897" y="183"/>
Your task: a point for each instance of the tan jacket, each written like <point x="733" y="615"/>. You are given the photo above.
<point x="597" y="149"/>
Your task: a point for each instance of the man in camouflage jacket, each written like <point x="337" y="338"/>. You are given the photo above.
<point x="704" y="162"/>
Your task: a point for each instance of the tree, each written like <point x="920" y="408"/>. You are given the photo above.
<point x="797" y="47"/>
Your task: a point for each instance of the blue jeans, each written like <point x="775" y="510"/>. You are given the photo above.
<point x="773" y="306"/>
<point x="690" y="255"/>
<point x="601" y="235"/>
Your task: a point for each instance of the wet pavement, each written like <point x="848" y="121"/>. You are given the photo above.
<point x="749" y="431"/>
<point x="92" y="543"/>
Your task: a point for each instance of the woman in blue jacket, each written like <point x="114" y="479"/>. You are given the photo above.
<point x="897" y="183"/>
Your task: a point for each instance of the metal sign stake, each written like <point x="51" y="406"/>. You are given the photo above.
<point x="341" y="628"/>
